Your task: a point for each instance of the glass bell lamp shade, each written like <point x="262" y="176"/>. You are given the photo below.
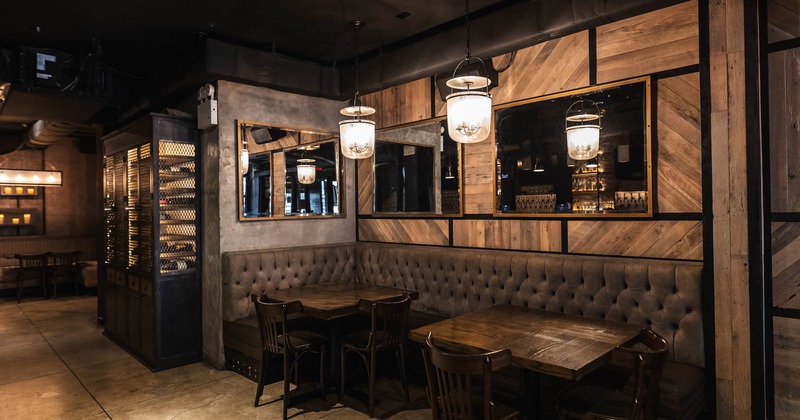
<point x="583" y="141"/>
<point x="306" y="171"/>
<point x="357" y="136"/>
<point x="469" y="116"/>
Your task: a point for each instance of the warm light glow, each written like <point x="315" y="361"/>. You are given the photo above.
<point x="583" y="141"/>
<point x="469" y="116"/>
<point x="357" y="138"/>
<point x="29" y="177"/>
<point x="306" y="171"/>
<point x="245" y="161"/>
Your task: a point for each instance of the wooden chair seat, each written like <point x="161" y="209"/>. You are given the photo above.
<point x="608" y="397"/>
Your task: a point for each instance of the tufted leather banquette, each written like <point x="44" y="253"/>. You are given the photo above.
<point x="662" y="295"/>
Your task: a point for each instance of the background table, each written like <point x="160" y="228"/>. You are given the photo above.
<point x="335" y="300"/>
<point x="549" y="342"/>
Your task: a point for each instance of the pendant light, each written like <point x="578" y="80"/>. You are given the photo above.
<point x="357" y="135"/>
<point x="583" y="130"/>
<point x="469" y="110"/>
<point x="26" y="177"/>
<point x="306" y="171"/>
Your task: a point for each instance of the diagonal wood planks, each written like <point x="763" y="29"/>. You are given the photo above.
<point x="407" y="231"/>
<point x="786" y="265"/>
<point x="654" y="239"/>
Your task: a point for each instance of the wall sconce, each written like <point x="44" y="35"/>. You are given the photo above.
<point x="356" y="135"/>
<point x="306" y="171"/>
<point x="469" y="111"/>
<point x="244" y="157"/>
<point x="29" y="177"/>
<point x="583" y="137"/>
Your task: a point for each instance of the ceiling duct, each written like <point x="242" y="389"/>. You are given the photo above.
<point x="46" y="133"/>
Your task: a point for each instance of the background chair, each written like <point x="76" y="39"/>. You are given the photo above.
<point x="63" y="265"/>
<point x="277" y="339"/>
<point x="460" y="385"/>
<point x="388" y="331"/>
<point x="31" y="267"/>
<point x="605" y="396"/>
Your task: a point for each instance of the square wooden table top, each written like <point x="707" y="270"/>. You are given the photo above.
<point x="549" y="342"/>
<point x="335" y="300"/>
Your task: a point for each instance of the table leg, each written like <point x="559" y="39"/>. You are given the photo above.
<point x="529" y="384"/>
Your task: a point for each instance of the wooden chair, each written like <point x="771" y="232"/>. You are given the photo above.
<point x="277" y="339"/>
<point x="63" y="265"/>
<point x="460" y="385"/>
<point x="31" y="267"/>
<point x="388" y="331"/>
<point x="592" y="399"/>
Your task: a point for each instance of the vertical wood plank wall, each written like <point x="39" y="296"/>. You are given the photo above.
<point x="783" y="26"/>
<point x="730" y="210"/>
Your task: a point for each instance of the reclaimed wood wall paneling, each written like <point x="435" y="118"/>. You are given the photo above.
<point x="366" y="185"/>
<point x="784" y="129"/>
<point x="679" y="173"/>
<point x="783" y="20"/>
<point x="786" y="266"/>
<point x="649" y="43"/>
<point x="786" y="339"/>
<point x="400" y="104"/>
<point x="408" y="231"/>
<point x="526" y="235"/>
<point x="729" y="197"/>
<point x="653" y="239"/>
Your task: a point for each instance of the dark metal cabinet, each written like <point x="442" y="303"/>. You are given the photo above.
<point x="150" y="279"/>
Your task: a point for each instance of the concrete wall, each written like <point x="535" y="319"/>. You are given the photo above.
<point x="222" y="231"/>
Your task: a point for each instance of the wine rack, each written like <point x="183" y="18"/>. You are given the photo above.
<point x="150" y="283"/>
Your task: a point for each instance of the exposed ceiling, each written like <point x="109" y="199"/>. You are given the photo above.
<point x="150" y="46"/>
<point x="138" y="37"/>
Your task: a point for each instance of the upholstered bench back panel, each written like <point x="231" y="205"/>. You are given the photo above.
<point x="662" y="295"/>
<point x="252" y="272"/>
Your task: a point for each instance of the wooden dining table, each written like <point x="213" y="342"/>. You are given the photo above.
<point x="330" y="301"/>
<point x="553" y="343"/>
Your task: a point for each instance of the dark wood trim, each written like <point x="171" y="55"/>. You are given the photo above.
<point x="565" y="236"/>
<point x="768" y="370"/>
<point x="784" y="217"/>
<point x="680" y="71"/>
<point x="786" y="313"/>
<point x="709" y="332"/>
<point x="656" y="217"/>
<point x="450" y="232"/>
<point x="433" y="96"/>
<point x="783" y="45"/>
<point x="653" y="158"/>
<point x="592" y="56"/>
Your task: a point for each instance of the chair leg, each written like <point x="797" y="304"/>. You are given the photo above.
<point x="372" y="384"/>
<point x="287" y="372"/>
<point x="401" y="363"/>
<point x="341" y="374"/>
<point x="322" y="373"/>
<point x="19" y="289"/>
<point x="261" y="376"/>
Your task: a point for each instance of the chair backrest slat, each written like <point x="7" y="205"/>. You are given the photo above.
<point x="451" y="376"/>
<point x="271" y="315"/>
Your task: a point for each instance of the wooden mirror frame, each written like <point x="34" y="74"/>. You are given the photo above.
<point x="437" y="170"/>
<point x="570" y="97"/>
<point x="302" y="137"/>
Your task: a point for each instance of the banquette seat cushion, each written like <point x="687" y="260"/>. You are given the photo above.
<point x="659" y="294"/>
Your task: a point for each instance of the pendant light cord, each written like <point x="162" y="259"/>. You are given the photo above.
<point x="356" y="25"/>
<point x="467" y="50"/>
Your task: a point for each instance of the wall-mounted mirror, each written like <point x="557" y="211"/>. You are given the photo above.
<point x="313" y="180"/>
<point x="536" y="176"/>
<point x="269" y="185"/>
<point x="417" y="170"/>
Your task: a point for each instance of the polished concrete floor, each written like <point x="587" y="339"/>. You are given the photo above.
<point x="55" y="363"/>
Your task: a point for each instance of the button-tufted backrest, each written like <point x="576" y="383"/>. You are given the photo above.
<point x="662" y="295"/>
<point x="248" y="273"/>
